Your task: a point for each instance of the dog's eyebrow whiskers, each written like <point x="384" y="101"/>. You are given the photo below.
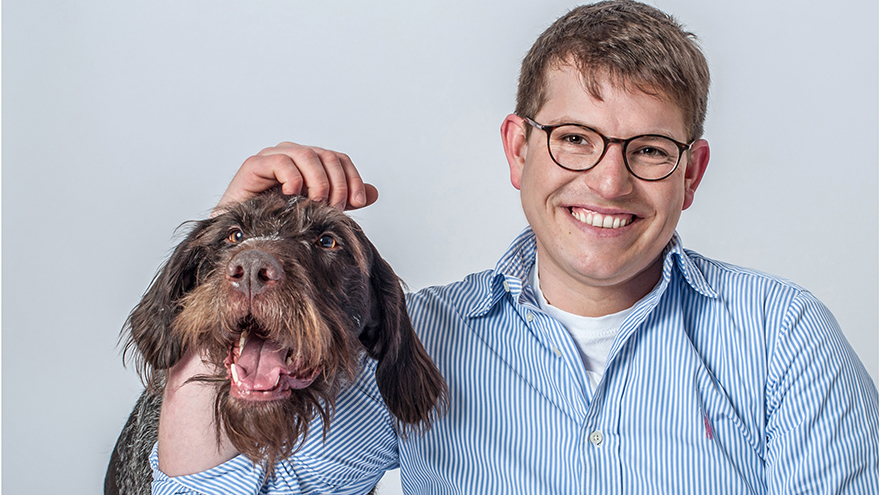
<point x="272" y="237"/>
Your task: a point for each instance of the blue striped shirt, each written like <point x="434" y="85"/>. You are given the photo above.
<point x="721" y="380"/>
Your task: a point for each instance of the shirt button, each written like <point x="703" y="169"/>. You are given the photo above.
<point x="596" y="438"/>
<point x="530" y="317"/>
<point x="506" y="286"/>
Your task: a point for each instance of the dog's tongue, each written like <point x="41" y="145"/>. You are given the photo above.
<point x="260" y="372"/>
<point x="260" y="363"/>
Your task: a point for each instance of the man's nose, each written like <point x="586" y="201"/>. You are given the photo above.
<point x="610" y="178"/>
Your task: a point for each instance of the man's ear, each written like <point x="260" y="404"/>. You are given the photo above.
<point x="696" y="167"/>
<point x="513" y="137"/>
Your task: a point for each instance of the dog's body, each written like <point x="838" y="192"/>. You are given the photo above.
<point x="283" y="296"/>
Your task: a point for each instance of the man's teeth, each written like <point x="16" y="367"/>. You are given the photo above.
<point x="600" y="220"/>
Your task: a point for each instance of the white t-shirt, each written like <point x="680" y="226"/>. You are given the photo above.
<point x="593" y="336"/>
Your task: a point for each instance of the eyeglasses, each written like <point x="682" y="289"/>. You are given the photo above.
<point x="577" y="148"/>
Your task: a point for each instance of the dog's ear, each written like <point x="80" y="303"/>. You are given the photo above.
<point x="148" y="328"/>
<point x="408" y="380"/>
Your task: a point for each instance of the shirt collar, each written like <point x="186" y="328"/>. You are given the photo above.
<point x="686" y="267"/>
<point x="512" y="271"/>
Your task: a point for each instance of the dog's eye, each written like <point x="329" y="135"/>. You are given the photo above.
<point x="327" y="241"/>
<point x="235" y="236"/>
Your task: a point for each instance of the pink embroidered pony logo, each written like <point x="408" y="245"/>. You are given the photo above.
<point x="709" y="432"/>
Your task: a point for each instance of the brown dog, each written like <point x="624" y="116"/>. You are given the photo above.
<point x="284" y="296"/>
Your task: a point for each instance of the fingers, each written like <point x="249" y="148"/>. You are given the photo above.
<point x="319" y="174"/>
<point x="325" y="177"/>
<point x="372" y="194"/>
<point x="360" y="194"/>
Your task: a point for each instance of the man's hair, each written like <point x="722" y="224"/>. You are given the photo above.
<point x="626" y="43"/>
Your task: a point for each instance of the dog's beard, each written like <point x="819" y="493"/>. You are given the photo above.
<point x="267" y="431"/>
<point x="270" y="430"/>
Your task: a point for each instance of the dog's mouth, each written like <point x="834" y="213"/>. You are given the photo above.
<point x="264" y="370"/>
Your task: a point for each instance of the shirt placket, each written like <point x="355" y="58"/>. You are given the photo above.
<point x="600" y="433"/>
<point x="598" y="460"/>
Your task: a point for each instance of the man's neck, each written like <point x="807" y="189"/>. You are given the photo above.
<point x="587" y="299"/>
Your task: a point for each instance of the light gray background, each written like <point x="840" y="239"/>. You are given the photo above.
<point x="123" y="119"/>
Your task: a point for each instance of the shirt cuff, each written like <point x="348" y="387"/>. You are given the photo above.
<point x="238" y="476"/>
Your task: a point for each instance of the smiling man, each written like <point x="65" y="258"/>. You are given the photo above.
<point x="600" y="228"/>
<point x="599" y="355"/>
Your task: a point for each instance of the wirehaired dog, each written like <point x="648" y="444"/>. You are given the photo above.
<point x="284" y="296"/>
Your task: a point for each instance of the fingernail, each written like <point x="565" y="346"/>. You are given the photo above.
<point x="360" y="198"/>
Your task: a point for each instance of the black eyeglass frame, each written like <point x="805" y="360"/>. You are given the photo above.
<point x="608" y="140"/>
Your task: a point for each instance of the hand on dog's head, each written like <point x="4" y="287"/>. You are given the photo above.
<point x="283" y="295"/>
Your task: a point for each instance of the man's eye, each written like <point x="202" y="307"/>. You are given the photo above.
<point x="573" y="139"/>
<point x="652" y="152"/>
<point x="235" y="236"/>
<point x="648" y="152"/>
<point x="327" y="241"/>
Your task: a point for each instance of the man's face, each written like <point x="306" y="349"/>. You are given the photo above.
<point x="586" y="269"/>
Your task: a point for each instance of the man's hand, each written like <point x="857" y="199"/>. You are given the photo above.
<point x="320" y="174"/>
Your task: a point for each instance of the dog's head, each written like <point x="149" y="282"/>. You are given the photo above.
<point x="283" y="295"/>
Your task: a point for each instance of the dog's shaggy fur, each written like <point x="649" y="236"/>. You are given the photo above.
<point x="284" y="296"/>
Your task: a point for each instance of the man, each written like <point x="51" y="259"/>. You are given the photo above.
<point x="598" y="355"/>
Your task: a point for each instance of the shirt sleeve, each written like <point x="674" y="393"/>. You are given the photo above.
<point x="821" y="408"/>
<point x="359" y="447"/>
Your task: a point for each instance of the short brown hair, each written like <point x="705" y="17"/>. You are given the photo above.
<point x="628" y="42"/>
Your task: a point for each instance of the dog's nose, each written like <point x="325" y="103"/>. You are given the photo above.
<point x="253" y="271"/>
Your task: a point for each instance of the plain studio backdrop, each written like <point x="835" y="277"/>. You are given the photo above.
<point x="121" y="120"/>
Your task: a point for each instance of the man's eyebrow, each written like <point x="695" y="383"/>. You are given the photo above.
<point x="564" y="120"/>
<point x="568" y="120"/>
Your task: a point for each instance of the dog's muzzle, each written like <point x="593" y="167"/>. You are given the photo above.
<point x="260" y="369"/>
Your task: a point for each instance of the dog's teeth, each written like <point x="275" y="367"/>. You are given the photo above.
<point x="289" y="360"/>
<point x="277" y="381"/>
<point x="234" y="374"/>
<point x="242" y="340"/>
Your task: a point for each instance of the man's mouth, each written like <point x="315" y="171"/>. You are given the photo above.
<point x="601" y="220"/>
